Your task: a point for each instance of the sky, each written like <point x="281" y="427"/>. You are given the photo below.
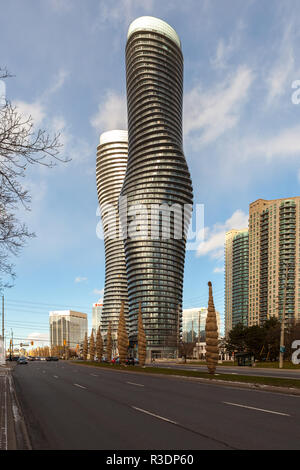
<point x="241" y="131"/>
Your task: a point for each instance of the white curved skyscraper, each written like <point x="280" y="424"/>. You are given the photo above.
<point x="112" y="154"/>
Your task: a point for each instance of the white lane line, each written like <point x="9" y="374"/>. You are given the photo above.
<point x="138" y="385"/>
<point x="55" y="376"/>
<point x="256" y="409"/>
<point x="95" y="375"/>
<point x="77" y="385"/>
<point x="155" y="416"/>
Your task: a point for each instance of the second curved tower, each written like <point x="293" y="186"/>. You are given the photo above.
<point x="112" y="154"/>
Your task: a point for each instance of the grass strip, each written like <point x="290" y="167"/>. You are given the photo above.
<point x="264" y="365"/>
<point x="273" y="381"/>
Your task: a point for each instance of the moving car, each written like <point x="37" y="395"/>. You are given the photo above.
<point x="22" y="360"/>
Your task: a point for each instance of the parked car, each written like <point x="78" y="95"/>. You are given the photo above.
<point x="22" y="360"/>
<point x="130" y="361"/>
<point x="51" y="358"/>
<point x="31" y="358"/>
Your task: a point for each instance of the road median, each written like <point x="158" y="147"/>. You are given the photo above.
<point x="291" y="386"/>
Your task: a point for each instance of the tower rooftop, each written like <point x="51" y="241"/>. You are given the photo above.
<point x="154" y="24"/>
<point x="115" y="135"/>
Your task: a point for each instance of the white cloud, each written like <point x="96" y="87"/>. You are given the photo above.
<point x="36" y="110"/>
<point x="112" y="113"/>
<point x="210" y="113"/>
<point x="58" y="82"/>
<point x="80" y="279"/>
<point x="285" y="143"/>
<point x="226" y="49"/>
<point x="122" y="11"/>
<point x="98" y="292"/>
<point x="60" y="5"/>
<point x="39" y="339"/>
<point x="214" y="238"/>
<point x="218" y="270"/>
<point x="279" y="76"/>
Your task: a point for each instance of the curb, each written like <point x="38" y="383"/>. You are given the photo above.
<point x="22" y="440"/>
<point x="251" y="386"/>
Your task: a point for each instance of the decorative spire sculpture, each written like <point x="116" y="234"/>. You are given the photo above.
<point x="141" y="338"/>
<point x="122" y="336"/>
<point x="211" y="332"/>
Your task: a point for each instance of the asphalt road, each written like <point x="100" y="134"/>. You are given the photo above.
<point x="68" y="406"/>
<point x="281" y="373"/>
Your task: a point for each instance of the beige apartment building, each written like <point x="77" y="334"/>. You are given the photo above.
<point x="274" y="246"/>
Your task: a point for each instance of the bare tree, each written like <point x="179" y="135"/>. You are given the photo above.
<point x="186" y="350"/>
<point x="21" y="145"/>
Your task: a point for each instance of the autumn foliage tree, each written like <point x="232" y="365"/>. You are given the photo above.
<point x="141" y="338"/>
<point x="92" y="347"/>
<point x="211" y="332"/>
<point x="99" y="345"/>
<point x="122" y="336"/>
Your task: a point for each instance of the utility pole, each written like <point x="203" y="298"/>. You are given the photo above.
<point x="192" y="330"/>
<point x="3" y="318"/>
<point x="199" y="333"/>
<point x="282" y="347"/>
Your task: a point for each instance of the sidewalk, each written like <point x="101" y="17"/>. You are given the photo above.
<point x="13" y="435"/>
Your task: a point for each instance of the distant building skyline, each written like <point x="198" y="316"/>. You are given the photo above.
<point x="97" y="315"/>
<point x="67" y="328"/>
<point x="193" y="321"/>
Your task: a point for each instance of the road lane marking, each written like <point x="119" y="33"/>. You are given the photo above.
<point x="155" y="416"/>
<point x="55" y="376"/>
<point x="138" y="385"/>
<point x="81" y="386"/>
<point x="256" y="409"/>
<point x="95" y="375"/>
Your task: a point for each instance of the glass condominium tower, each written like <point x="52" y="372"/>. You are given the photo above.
<point x="236" y="278"/>
<point x="157" y="173"/>
<point x="110" y="171"/>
